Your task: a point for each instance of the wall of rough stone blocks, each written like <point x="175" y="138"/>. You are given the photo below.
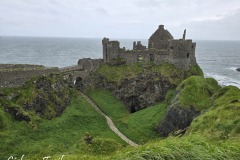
<point x="90" y="64"/>
<point x="17" y="77"/>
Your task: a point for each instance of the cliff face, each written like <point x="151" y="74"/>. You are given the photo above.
<point x="140" y="85"/>
<point x="139" y="92"/>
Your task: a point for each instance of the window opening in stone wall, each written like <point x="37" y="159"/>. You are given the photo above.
<point x="140" y="58"/>
<point x="187" y="55"/>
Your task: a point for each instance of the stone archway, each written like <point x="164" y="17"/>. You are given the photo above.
<point x="78" y="82"/>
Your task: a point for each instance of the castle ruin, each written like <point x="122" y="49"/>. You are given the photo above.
<point x="161" y="48"/>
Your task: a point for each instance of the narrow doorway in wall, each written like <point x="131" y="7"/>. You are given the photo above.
<point x="151" y="57"/>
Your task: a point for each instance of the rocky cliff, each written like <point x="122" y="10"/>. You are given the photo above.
<point x="191" y="97"/>
<point x="140" y="85"/>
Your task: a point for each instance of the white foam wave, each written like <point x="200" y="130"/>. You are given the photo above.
<point x="233" y="68"/>
<point x="223" y="80"/>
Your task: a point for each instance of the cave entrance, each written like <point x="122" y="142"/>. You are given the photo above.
<point x="133" y="102"/>
<point x="79" y="82"/>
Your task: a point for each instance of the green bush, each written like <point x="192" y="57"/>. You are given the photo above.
<point x="99" y="146"/>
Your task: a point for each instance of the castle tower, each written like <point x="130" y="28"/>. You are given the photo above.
<point x="159" y="39"/>
<point x="134" y="45"/>
<point x="105" y="41"/>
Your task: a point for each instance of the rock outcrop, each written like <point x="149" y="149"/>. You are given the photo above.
<point x="139" y="92"/>
<point x="43" y="96"/>
<point x="177" y="118"/>
<point x="192" y="96"/>
<point x="139" y="85"/>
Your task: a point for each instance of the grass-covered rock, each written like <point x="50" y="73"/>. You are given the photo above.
<point x="41" y="97"/>
<point x="191" y="97"/>
<point x="222" y="120"/>
<point x="141" y="85"/>
<point x="63" y="135"/>
<point x="116" y="74"/>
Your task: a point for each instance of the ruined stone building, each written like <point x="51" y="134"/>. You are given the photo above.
<point x="161" y="48"/>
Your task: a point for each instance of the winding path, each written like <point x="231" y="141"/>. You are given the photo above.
<point x="109" y="122"/>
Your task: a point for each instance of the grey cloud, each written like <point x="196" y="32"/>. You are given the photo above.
<point x="218" y="19"/>
<point x="147" y="4"/>
<point x="101" y="11"/>
<point x="225" y="28"/>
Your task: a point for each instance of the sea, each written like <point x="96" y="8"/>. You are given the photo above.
<point x="218" y="59"/>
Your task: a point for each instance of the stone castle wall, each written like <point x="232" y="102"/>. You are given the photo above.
<point x="13" y="76"/>
<point x="90" y="64"/>
<point x="161" y="48"/>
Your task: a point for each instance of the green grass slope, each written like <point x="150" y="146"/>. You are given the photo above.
<point x="223" y="119"/>
<point x="60" y="136"/>
<point x="185" y="148"/>
<point x="215" y="134"/>
<point x="139" y="126"/>
<point x="197" y="91"/>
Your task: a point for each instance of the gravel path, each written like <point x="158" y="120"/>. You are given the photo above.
<point x="109" y="122"/>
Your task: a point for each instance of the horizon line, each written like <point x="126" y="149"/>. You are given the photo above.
<point x="114" y="38"/>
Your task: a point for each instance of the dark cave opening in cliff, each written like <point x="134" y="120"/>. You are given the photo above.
<point x="133" y="104"/>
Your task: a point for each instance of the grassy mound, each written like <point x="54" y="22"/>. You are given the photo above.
<point x="59" y="136"/>
<point x="222" y="120"/>
<point x="139" y="126"/>
<point x="196" y="92"/>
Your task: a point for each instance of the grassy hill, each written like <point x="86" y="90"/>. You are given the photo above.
<point x="139" y="126"/>
<point x="214" y="134"/>
<point x="63" y="135"/>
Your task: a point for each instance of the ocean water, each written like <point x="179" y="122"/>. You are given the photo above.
<point x="218" y="59"/>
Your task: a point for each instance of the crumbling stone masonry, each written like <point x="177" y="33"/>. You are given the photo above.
<point x="161" y="48"/>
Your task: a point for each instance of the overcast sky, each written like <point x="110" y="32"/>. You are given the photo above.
<point x="203" y="19"/>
